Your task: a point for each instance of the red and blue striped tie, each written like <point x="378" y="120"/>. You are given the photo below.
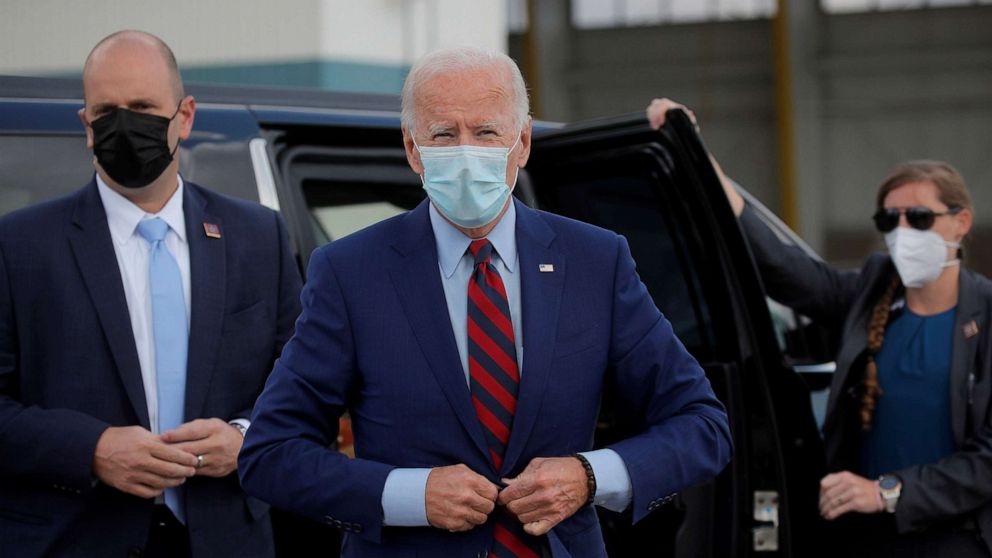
<point x="494" y="380"/>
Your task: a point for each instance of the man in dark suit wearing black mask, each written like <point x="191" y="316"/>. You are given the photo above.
<point x="139" y="318"/>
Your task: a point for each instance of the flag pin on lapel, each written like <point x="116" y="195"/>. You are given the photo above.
<point x="970" y="329"/>
<point x="546" y="268"/>
<point x="211" y="230"/>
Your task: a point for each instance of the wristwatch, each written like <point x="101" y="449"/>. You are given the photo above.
<point x="241" y="428"/>
<point x="891" y="487"/>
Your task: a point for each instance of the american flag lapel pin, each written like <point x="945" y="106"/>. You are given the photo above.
<point x="546" y="268"/>
<point x="211" y="230"/>
<point x="970" y="329"/>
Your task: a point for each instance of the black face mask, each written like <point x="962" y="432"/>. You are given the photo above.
<point x="133" y="147"/>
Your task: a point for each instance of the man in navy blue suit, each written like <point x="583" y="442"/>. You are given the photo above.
<point x="139" y="318"/>
<point x="470" y="340"/>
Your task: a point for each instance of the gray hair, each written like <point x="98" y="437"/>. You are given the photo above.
<point x="461" y="59"/>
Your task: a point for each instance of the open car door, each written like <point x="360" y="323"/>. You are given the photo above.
<point x="659" y="190"/>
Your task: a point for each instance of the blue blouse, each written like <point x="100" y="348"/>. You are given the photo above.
<point x="912" y="421"/>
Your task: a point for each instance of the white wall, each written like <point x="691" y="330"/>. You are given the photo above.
<point x="401" y="31"/>
<point x="45" y="36"/>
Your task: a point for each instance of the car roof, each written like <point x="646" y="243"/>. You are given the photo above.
<point x="65" y="88"/>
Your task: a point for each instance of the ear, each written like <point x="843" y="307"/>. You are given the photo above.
<point x="86" y="126"/>
<point x="963" y="220"/>
<point x="187" y="112"/>
<point x="525" y="135"/>
<point x="412" y="155"/>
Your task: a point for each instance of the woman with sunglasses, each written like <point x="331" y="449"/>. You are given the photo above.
<point x="908" y="429"/>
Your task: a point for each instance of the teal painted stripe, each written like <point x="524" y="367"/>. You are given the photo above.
<point x="323" y="74"/>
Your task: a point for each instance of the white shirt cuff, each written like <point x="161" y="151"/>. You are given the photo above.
<point x="243" y="422"/>
<point x="613" y="488"/>
<point x="404" y="498"/>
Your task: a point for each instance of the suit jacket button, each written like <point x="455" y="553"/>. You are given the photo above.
<point x="134" y="552"/>
<point x="328" y="520"/>
<point x="358" y="528"/>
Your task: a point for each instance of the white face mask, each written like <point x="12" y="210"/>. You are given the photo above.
<point x="919" y="256"/>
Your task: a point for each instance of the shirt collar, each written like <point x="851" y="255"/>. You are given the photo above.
<point x="452" y="243"/>
<point x="123" y="216"/>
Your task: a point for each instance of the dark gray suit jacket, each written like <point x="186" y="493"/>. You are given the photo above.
<point x="958" y="486"/>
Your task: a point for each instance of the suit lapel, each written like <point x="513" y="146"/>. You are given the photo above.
<point x="541" y="300"/>
<point x="208" y="280"/>
<point x="93" y="248"/>
<point x="963" y="349"/>
<point x="417" y="281"/>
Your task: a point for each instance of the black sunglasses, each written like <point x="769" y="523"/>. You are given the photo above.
<point x="919" y="217"/>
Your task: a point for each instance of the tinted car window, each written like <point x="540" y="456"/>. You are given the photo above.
<point x="27" y="179"/>
<point x="28" y="175"/>
<point x="631" y="206"/>
<point x="347" y="190"/>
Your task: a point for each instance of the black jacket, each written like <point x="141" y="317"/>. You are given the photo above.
<point x="958" y="486"/>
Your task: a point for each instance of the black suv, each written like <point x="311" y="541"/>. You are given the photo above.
<point x="333" y="163"/>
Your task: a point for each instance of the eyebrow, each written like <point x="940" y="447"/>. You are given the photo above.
<point x="438" y="128"/>
<point x="146" y="102"/>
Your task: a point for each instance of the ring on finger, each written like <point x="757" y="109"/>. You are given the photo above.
<point x="199" y="461"/>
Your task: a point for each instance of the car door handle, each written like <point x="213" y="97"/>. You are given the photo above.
<point x="816" y="375"/>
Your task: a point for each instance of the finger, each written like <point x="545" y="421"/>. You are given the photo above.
<point x="829" y="480"/>
<point x="141" y="490"/>
<point x="487" y="490"/>
<point x="193" y="430"/>
<point x="538" y="528"/>
<point x="198" y="447"/>
<point x="526" y="506"/>
<point x="829" y="503"/>
<point x="483" y="505"/>
<point x="516" y="489"/>
<point x="536" y="514"/>
<point x="835" y="491"/>
<point x="838" y="511"/>
<point x="155" y="482"/>
<point x="475" y="518"/>
<point x="173" y="455"/>
<point x="168" y="469"/>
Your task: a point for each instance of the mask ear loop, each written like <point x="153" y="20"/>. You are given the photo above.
<point x="516" y="169"/>
<point x="173" y="117"/>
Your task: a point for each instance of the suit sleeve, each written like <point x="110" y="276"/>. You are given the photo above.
<point x="287" y="299"/>
<point x="958" y="484"/>
<point x="285" y="459"/>
<point x="795" y="279"/>
<point x="53" y="446"/>
<point x="685" y="437"/>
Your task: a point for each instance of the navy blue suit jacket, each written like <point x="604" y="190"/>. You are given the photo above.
<point x="69" y="369"/>
<point x="375" y="339"/>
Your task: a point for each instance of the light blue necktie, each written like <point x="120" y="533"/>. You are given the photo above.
<point x="171" y="332"/>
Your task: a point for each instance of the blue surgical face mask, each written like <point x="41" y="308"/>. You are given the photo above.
<point x="467" y="183"/>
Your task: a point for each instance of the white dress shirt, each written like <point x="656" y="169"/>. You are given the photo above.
<point x="133" y="253"/>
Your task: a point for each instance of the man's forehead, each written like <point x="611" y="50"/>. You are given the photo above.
<point x="119" y="74"/>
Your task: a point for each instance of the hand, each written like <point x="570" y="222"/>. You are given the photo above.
<point x="845" y="492"/>
<point x="134" y="460"/>
<point x="658" y="110"/>
<point x="656" y="113"/>
<point x="458" y="498"/>
<point x="546" y="493"/>
<point x="216" y="441"/>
